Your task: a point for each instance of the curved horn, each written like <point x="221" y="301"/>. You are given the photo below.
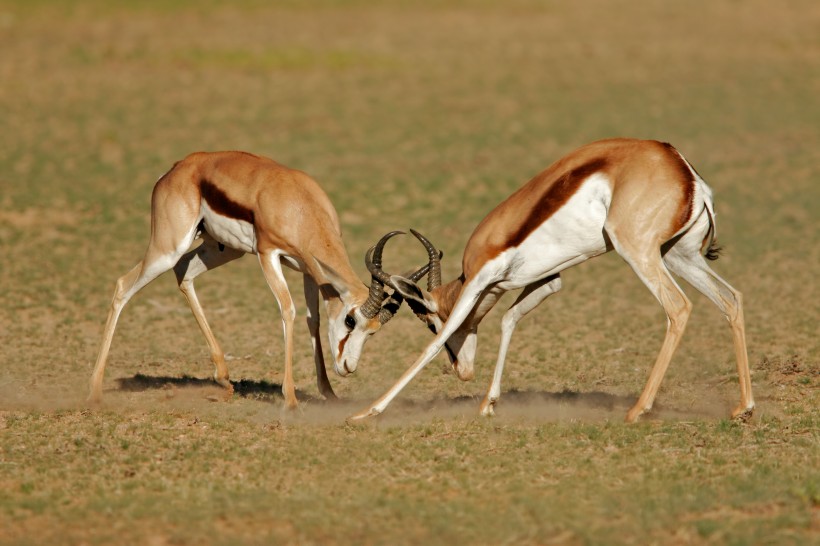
<point x="416" y="276"/>
<point x="391" y="305"/>
<point x="373" y="260"/>
<point x="434" y="278"/>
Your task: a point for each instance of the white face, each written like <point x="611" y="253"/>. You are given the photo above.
<point x="348" y="332"/>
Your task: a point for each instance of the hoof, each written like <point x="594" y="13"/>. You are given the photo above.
<point x="94" y="399"/>
<point x="330" y="396"/>
<point x="225" y="383"/>
<point x="362" y="415"/>
<point x="487" y="409"/>
<point x="635" y="413"/>
<point x="743" y="413"/>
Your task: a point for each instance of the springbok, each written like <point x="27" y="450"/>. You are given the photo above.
<point x="239" y="203"/>
<point x="638" y="197"/>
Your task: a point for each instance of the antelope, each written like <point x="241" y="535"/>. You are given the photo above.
<point x="239" y="203"/>
<point x="638" y="197"/>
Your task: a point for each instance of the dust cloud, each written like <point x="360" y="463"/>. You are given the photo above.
<point x="261" y="401"/>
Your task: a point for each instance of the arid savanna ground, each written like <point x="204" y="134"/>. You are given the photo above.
<point x="423" y="115"/>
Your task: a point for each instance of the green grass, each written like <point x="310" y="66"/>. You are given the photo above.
<point x="438" y="482"/>
<point x="423" y="115"/>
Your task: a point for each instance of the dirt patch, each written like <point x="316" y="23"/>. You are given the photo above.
<point x="789" y="369"/>
<point x="262" y="401"/>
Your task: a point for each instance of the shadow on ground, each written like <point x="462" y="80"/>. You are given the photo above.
<point x="513" y="405"/>
<point x="245" y="388"/>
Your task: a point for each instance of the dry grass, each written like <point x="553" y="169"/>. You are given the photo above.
<point x="426" y="117"/>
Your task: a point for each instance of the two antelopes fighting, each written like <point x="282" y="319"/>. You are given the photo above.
<point x="638" y="197"/>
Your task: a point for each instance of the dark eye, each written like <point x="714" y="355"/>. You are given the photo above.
<point x="350" y="322"/>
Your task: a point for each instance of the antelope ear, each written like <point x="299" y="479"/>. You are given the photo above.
<point x="413" y="293"/>
<point x="333" y="278"/>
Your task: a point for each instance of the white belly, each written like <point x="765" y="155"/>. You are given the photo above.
<point x="230" y="232"/>
<point x="573" y="234"/>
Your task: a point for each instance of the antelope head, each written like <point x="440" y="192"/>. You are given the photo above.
<point x="353" y="324"/>
<point x="433" y="306"/>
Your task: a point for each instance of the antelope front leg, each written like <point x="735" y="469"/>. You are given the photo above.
<point x="379" y="405"/>
<point x="272" y="268"/>
<point x="528" y="300"/>
<point x="312" y="301"/>
<point x="469" y="296"/>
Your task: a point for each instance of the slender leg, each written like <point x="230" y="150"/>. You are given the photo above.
<point x="272" y="269"/>
<point x="312" y="300"/>
<point x="677" y="306"/>
<point x="645" y="259"/>
<point x="469" y="296"/>
<point x="155" y="262"/>
<point x="528" y="300"/>
<point x="209" y="255"/>
<point x="463" y="343"/>
<point x="122" y="293"/>
<point x="693" y="268"/>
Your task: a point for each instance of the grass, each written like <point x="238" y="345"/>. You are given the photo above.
<point x="650" y="479"/>
<point x="420" y="116"/>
